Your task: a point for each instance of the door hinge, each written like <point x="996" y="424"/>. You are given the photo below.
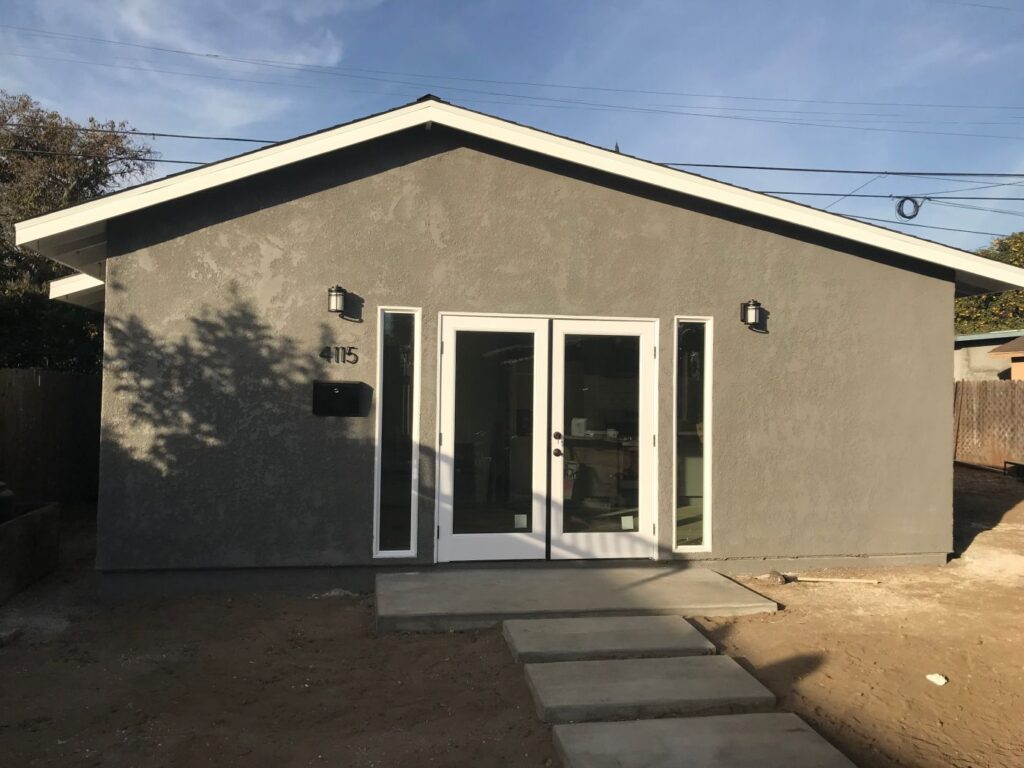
<point x="439" y="533"/>
<point x="654" y="439"/>
<point x="654" y="529"/>
<point x="442" y="347"/>
<point x="655" y="353"/>
<point x="440" y="439"/>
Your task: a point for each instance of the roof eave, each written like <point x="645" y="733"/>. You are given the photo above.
<point x="65" y="235"/>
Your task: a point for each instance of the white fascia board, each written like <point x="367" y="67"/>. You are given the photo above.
<point x="216" y="174"/>
<point x="997" y="275"/>
<point x="66" y="286"/>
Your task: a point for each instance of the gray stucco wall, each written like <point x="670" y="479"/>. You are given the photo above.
<point x="831" y="433"/>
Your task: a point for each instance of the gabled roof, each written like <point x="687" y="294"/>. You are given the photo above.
<point x="76" y="236"/>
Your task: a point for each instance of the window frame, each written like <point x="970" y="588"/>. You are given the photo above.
<point x="709" y="346"/>
<point x="417" y="314"/>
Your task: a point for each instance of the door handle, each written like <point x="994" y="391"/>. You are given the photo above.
<point x="557" y="435"/>
<point x="556" y="452"/>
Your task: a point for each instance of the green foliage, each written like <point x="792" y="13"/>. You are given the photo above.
<point x="995" y="312"/>
<point x="45" y="164"/>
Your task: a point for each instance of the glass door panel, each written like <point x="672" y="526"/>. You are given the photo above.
<point x="493" y="435"/>
<point x="601" y="400"/>
<point x="492" y="475"/>
<point x="602" y="440"/>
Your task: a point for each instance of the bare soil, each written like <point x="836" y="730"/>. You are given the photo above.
<point x="285" y="680"/>
<point x="851" y="659"/>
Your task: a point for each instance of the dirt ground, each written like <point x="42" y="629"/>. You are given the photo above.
<point x="277" y="680"/>
<point x="851" y="659"/>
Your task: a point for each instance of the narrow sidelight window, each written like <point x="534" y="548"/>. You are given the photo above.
<point x="397" y="433"/>
<point x="692" y="434"/>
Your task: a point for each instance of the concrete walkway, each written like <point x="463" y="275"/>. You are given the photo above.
<point x="777" y="740"/>
<point x="474" y="598"/>
<point x="623" y="712"/>
<point x="606" y="637"/>
<point x="629" y="689"/>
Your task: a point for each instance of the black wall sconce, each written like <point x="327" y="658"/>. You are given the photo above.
<point x="754" y="316"/>
<point x="345" y="304"/>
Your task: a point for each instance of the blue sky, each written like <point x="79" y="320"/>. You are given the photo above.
<point x="858" y="67"/>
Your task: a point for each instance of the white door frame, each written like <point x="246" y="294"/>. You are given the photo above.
<point x="641" y="543"/>
<point x="525" y="545"/>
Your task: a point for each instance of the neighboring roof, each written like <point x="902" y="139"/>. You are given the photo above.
<point x="1013" y="348"/>
<point x="990" y="336"/>
<point x="76" y="236"/>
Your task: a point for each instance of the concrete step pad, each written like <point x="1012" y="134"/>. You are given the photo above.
<point x="604" y="637"/>
<point x="458" y="598"/>
<point x="775" y="740"/>
<point x="623" y="689"/>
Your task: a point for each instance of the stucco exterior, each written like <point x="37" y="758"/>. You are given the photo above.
<point x="831" y="432"/>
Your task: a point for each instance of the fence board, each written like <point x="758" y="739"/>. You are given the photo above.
<point x="989" y="422"/>
<point x="49" y="434"/>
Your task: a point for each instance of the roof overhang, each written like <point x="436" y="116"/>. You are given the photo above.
<point x="76" y="236"/>
<point x="80" y="289"/>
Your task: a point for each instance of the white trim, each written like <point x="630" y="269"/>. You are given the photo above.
<point x="33" y="231"/>
<point x="709" y="368"/>
<point x="643" y="542"/>
<point x="416" y="312"/>
<point x="529" y="545"/>
<point x="66" y="286"/>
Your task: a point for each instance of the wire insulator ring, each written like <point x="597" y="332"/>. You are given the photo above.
<point x="907" y="208"/>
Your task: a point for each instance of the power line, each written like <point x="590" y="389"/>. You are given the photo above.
<point x="134" y="132"/>
<point x="97" y="157"/>
<point x="564" y="103"/>
<point x="571" y="103"/>
<point x="798" y="169"/>
<point x="726" y="166"/>
<point x="155" y="71"/>
<point x="520" y="83"/>
<point x="978" y="208"/>
<point x="923" y="226"/>
<point x="849" y="194"/>
<point x="884" y="197"/>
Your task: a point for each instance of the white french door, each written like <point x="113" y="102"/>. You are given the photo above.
<point x="492" y="471"/>
<point x="513" y="484"/>
<point x="603" y="467"/>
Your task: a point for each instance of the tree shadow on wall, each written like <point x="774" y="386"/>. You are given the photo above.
<point x="211" y="457"/>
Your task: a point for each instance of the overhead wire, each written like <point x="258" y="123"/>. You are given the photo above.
<point x="97" y="157"/>
<point x="494" y="81"/>
<point x="923" y="226"/>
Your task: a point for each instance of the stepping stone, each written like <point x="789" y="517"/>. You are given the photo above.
<point x="605" y="637"/>
<point x="774" y="740"/>
<point x="624" y="689"/>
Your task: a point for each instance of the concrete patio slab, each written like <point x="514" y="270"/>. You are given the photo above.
<point x="622" y="689"/>
<point x="604" y="637"/>
<point x="472" y="598"/>
<point x="774" y="740"/>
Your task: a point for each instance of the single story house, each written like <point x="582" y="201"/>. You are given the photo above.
<point x="971" y="358"/>
<point x="433" y="335"/>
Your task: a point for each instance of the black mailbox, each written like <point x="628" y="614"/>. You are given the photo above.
<point x="341" y="398"/>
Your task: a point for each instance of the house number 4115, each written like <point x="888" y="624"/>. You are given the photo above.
<point x="340" y="355"/>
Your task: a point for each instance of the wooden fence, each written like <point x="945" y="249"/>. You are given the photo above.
<point x="49" y="434"/>
<point x="988" y="422"/>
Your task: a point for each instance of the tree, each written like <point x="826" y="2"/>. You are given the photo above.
<point x="995" y="312"/>
<point x="48" y="162"/>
